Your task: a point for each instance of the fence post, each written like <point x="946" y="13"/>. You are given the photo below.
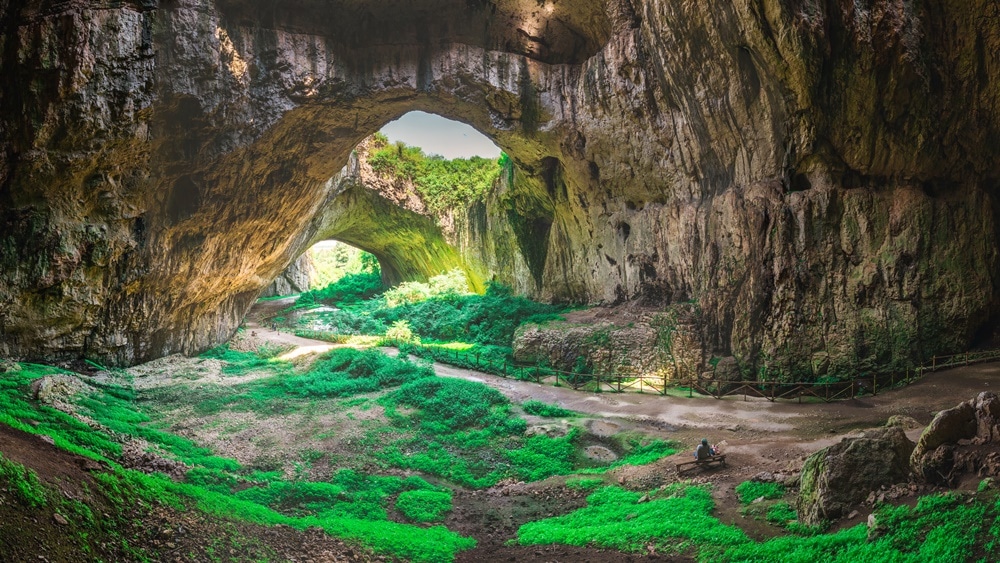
<point x="690" y="387"/>
<point x="933" y="363"/>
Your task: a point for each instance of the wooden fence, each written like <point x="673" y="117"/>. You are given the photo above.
<point x="771" y="390"/>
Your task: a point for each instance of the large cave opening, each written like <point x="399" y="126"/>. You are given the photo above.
<point x="689" y="223"/>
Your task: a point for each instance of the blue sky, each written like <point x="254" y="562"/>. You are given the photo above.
<point x="437" y="135"/>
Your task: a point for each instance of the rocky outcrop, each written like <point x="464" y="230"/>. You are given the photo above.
<point x="56" y="389"/>
<point x="961" y="440"/>
<point x="843" y="475"/>
<point x="637" y="342"/>
<point x="820" y="177"/>
<point x="295" y="279"/>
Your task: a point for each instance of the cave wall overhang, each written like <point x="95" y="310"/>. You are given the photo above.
<point x="791" y="168"/>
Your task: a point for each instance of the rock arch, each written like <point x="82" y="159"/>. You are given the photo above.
<point x="162" y="161"/>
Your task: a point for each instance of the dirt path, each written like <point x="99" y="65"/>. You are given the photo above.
<point x="757" y="435"/>
<point x="751" y="425"/>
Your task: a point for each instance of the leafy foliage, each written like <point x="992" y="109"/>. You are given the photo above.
<point x="448" y="285"/>
<point x="333" y="262"/>
<point x="351" y="288"/>
<point x="441" y="183"/>
<point x="488" y="319"/>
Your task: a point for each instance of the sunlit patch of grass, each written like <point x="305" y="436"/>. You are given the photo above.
<point x="584" y="483"/>
<point x="676" y="520"/>
<point x="749" y="491"/>
<point x="423" y="505"/>
<point x="539" y="408"/>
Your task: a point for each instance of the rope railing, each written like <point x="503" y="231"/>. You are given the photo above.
<point x="717" y="388"/>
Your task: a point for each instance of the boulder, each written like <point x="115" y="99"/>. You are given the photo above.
<point x="728" y="369"/>
<point x="842" y="475"/>
<point x="9" y="366"/>
<point x="948" y="427"/>
<point x="53" y="389"/>
<point x="958" y="441"/>
<point x="903" y="421"/>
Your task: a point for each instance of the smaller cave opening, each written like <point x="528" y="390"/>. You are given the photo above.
<point x="624" y="230"/>
<point x="184" y="201"/>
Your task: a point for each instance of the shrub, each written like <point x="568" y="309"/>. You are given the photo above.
<point x="351" y="288"/>
<point x="400" y="332"/>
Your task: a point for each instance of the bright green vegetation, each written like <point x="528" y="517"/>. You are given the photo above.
<point x="749" y="491"/>
<point x="350" y="288"/>
<point x="23" y="482"/>
<point x="584" y="483"/>
<point x="439" y="320"/>
<point x="416" y="423"/>
<point x="351" y="505"/>
<point x="942" y="527"/>
<point x="441" y="183"/>
<point x="424" y="505"/>
<point x="539" y="408"/>
<point x="331" y="262"/>
<point x="677" y="519"/>
<point x="445" y="315"/>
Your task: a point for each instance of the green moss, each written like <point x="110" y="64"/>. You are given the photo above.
<point x="424" y="506"/>
<point x="749" y="491"/>
<point x="678" y="518"/>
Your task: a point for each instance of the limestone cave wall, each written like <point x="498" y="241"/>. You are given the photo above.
<point x="820" y="177"/>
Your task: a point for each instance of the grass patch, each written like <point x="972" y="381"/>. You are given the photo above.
<point x="583" y="483"/>
<point x="423" y="505"/>
<point x="676" y="520"/>
<point x="539" y="408"/>
<point x="749" y="491"/>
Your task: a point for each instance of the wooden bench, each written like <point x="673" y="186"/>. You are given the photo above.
<point x="707" y="462"/>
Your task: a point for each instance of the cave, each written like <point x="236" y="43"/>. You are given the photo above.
<point x="222" y="127"/>
<point x="768" y="223"/>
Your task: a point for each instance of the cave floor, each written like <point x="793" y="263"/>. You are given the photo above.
<point x="757" y="435"/>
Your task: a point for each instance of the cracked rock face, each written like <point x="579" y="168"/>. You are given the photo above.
<point x="819" y="176"/>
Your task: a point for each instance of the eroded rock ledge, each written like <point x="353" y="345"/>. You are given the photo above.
<point x="819" y="177"/>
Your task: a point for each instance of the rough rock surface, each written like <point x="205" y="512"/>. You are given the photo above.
<point x="593" y="348"/>
<point x="842" y="475"/>
<point x="961" y="440"/>
<point x="295" y="279"/>
<point x="819" y="176"/>
<point x="56" y="389"/>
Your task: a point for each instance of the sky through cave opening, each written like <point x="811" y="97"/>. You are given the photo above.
<point x="439" y="135"/>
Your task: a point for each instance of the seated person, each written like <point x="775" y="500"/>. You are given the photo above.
<point x="704" y="451"/>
